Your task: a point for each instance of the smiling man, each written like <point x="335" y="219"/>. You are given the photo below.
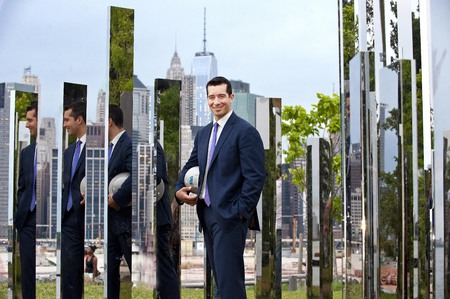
<point x="230" y="155"/>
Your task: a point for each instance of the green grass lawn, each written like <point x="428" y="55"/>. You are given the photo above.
<point x="95" y="291"/>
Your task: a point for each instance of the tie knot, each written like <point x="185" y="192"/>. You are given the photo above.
<point x="78" y="143"/>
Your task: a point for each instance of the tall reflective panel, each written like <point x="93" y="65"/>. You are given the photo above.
<point x="268" y="239"/>
<point x="320" y="235"/>
<point x="439" y="74"/>
<point x="166" y="211"/>
<point x="121" y="155"/>
<point x="73" y="197"/>
<point x="389" y="169"/>
<point x="19" y="109"/>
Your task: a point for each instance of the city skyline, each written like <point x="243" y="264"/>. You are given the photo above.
<point x="280" y="56"/>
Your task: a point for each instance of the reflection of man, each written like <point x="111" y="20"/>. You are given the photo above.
<point x="25" y="217"/>
<point x="72" y="230"/>
<point x="119" y="210"/>
<point x="230" y="156"/>
<point x="166" y="276"/>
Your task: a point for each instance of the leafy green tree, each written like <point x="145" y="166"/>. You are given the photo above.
<point x="323" y="120"/>
<point x="121" y="53"/>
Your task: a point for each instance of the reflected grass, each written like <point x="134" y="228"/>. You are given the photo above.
<point x="95" y="291"/>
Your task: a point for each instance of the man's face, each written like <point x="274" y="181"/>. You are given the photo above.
<point x="219" y="101"/>
<point x="31" y="123"/>
<point x="71" y="124"/>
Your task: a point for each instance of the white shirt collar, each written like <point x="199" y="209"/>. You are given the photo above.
<point x="224" y="119"/>
<point x="116" y="139"/>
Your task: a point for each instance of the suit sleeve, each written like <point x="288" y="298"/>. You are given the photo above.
<point x="123" y="196"/>
<point x="252" y="160"/>
<point x="192" y="162"/>
<point x="21" y="182"/>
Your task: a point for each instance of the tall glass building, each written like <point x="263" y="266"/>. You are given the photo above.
<point x="204" y="68"/>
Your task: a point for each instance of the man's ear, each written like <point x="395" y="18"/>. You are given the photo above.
<point x="110" y="122"/>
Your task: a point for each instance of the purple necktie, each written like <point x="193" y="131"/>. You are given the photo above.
<point x="212" y="146"/>
<point x="33" y="187"/>
<point x="76" y="155"/>
<point x="110" y="150"/>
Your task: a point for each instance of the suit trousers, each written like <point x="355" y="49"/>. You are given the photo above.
<point x="72" y="258"/>
<point x="27" y="247"/>
<point x="118" y="245"/>
<point x="225" y="248"/>
<point x="167" y="282"/>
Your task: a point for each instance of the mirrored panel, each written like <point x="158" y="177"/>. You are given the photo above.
<point x="389" y="205"/>
<point x="143" y="271"/>
<point x="168" y="242"/>
<point x="439" y="65"/>
<point x="353" y="172"/>
<point x="268" y="253"/>
<point x="20" y="107"/>
<point x="122" y="155"/>
<point x="73" y="197"/>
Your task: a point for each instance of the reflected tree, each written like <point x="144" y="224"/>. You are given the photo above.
<point x="323" y="120"/>
<point x="121" y="53"/>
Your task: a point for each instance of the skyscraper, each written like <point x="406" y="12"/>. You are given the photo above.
<point x="100" y="112"/>
<point x="95" y="168"/>
<point x="187" y="108"/>
<point x="46" y="179"/>
<point x="204" y="68"/>
<point x="30" y="79"/>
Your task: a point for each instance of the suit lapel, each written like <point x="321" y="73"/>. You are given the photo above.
<point x="224" y="135"/>
<point x="203" y="148"/>
<point x="116" y="148"/>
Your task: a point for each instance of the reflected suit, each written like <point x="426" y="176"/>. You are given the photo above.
<point x="25" y="221"/>
<point x="167" y="282"/>
<point x="72" y="229"/>
<point x="119" y="222"/>
<point x="235" y="180"/>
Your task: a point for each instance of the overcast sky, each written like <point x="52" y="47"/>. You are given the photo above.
<point x="286" y="49"/>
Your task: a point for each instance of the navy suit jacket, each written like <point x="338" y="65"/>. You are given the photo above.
<point x="163" y="209"/>
<point x="121" y="161"/>
<point x="74" y="183"/>
<point x="25" y="184"/>
<point x="237" y="172"/>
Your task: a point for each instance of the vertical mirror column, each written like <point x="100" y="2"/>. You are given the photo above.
<point x="319" y="276"/>
<point x="19" y="116"/>
<point x="268" y="239"/>
<point x="73" y="192"/>
<point x="121" y="155"/>
<point x="166" y="209"/>
<point x="143" y="272"/>
<point x="389" y="171"/>
<point x="439" y="76"/>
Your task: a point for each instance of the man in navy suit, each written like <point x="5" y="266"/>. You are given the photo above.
<point x="230" y="155"/>
<point x="25" y="216"/>
<point x="119" y="204"/>
<point x="72" y="229"/>
<point x="167" y="282"/>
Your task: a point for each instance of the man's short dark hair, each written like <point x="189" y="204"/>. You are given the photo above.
<point x="31" y="107"/>
<point x="116" y="115"/>
<point x="78" y="109"/>
<point x="219" y="81"/>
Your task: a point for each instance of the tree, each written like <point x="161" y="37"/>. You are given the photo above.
<point x="121" y="53"/>
<point x="322" y="120"/>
